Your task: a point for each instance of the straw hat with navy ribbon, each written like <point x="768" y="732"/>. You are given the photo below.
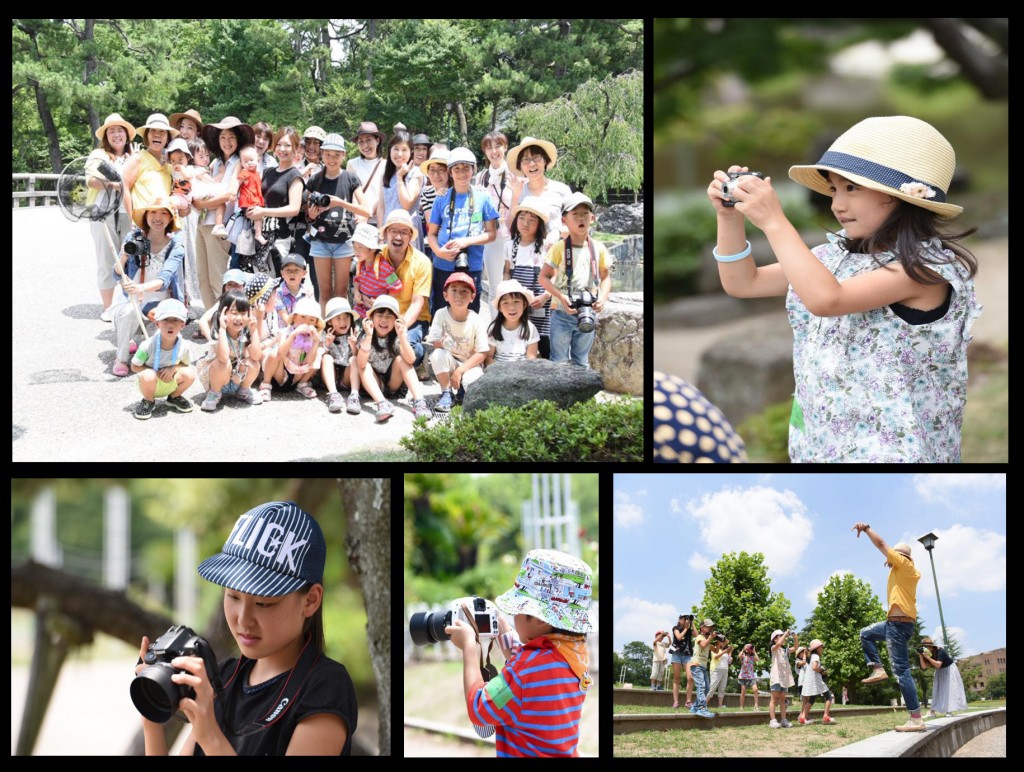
<point x="898" y="155"/>
<point x="274" y="549"/>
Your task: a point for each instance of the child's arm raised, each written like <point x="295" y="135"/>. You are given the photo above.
<point x="741" y="278"/>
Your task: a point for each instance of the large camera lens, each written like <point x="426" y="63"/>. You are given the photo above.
<point x="427" y="627"/>
<point x="155" y="695"/>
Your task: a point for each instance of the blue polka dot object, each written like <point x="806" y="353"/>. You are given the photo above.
<point x="690" y="430"/>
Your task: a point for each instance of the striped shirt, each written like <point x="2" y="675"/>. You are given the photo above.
<point x="535" y="703"/>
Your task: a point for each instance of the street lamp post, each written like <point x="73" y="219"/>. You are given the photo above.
<point x="928" y="540"/>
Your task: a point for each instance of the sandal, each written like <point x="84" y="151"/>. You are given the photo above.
<point x="265" y="391"/>
<point x="305" y="390"/>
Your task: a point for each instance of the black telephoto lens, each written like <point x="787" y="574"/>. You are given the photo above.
<point x="155" y="695"/>
<point x="426" y="627"/>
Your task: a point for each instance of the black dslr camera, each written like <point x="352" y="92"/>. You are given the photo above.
<point x="583" y="301"/>
<point x="922" y="649"/>
<point x="138" y="246"/>
<point x="729" y="186"/>
<point x="312" y="198"/>
<point x="155" y="695"/>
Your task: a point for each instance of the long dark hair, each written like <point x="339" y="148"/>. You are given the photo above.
<point x="389" y="166"/>
<point x="314" y="625"/>
<point x="240" y="302"/>
<point x="902" y="233"/>
<point x="499" y="320"/>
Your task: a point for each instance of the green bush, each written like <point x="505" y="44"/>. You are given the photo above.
<point x="538" y="431"/>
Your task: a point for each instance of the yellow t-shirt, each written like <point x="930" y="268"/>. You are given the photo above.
<point x="903" y="580"/>
<point x="581" y="268"/>
<point x="415" y="273"/>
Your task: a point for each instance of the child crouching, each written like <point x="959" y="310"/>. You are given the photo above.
<point x="162" y="362"/>
<point x="234" y="361"/>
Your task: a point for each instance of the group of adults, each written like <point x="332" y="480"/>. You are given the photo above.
<point x="391" y="188"/>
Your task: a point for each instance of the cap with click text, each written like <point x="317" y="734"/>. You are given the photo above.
<point x="274" y="549"/>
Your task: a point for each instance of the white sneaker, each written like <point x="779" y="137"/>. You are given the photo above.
<point x="219" y="231"/>
<point x="912" y="725"/>
<point x="773" y="724"/>
<point x="105" y="316"/>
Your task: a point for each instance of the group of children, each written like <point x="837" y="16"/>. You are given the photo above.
<point x="275" y="327"/>
<point x="694" y="652"/>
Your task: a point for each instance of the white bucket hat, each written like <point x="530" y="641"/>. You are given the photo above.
<point x="898" y="155"/>
<point x="554" y="587"/>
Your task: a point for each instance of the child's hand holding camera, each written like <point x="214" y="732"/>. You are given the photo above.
<point x="461" y="633"/>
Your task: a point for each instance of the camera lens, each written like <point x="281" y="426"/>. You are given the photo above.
<point x="426" y="627"/>
<point x="155" y="695"/>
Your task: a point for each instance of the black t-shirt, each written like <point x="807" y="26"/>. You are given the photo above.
<point x="328" y="689"/>
<point x="275" y="194"/>
<point x="941" y="655"/>
<point x="684" y="646"/>
<point x="329" y="225"/>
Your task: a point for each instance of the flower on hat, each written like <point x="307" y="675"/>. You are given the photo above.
<point x="917" y="190"/>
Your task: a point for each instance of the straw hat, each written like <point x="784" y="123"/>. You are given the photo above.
<point x="211" y="132"/>
<point x="315" y="132"/>
<point x="897" y="155"/>
<point x="192" y="114"/>
<point x="508" y="287"/>
<point x="138" y="212"/>
<point x="549" y="148"/>
<point x="115" y="119"/>
<point x="439" y="156"/>
<point x="815" y="644"/>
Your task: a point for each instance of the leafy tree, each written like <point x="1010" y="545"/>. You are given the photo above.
<point x="637" y="657"/>
<point x="996" y="689"/>
<point x="739" y="600"/>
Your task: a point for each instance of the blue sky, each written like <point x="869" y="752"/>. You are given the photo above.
<point x="670" y="528"/>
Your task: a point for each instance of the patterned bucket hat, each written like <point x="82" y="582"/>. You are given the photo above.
<point x="554" y="587"/>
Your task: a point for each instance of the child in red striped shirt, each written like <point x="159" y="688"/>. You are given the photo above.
<point x="374" y="274"/>
<point x="536" y="700"/>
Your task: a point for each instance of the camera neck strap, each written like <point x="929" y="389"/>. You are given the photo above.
<point x="487" y="671"/>
<point x="286" y="698"/>
<point x="451" y="212"/>
<point x="568" y="261"/>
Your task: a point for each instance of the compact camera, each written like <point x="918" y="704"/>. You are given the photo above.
<point x="427" y="627"/>
<point x="586" y="320"/>
<point x="729" y="186"/>
<point x="155" y="695"/>
<point x="137" y="246"/>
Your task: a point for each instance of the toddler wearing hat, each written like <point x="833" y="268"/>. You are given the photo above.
<point x="459" y="337"/>
<point x="536" y="701"/>
<point x="296" y="359"/>
<point x="339" y="353"/>
<point x="163" y="362"/>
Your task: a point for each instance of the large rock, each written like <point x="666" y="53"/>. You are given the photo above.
<point x="513" y="384"/>
<point x="622" y="218"/>
<point x="618" y="351"/>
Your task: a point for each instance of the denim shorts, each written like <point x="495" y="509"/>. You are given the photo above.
<point x="678" y="658"/>
<point x="326" y="249"/>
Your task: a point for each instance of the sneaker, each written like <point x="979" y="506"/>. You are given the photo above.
<point x="930" y="714"/>
<point x="105" y="316"/>
<point x="334" y="402"/>
<point x="829" y="720"/>
<point x="353" y="405"/>
<point x="705" y="714"/>
<point x="785" y="724"/>
<point x="804" y="721"/>
<point x="420" y="410"/>
<point x="912" y="725"/>
<point x="211" y="401"/>
<point x="384" y="411"/>
<point x="879" y="674"/>
<point x="249" y="396"/>
<point x="306" y="390"/>
<point x="180" y="404"/>
<point x="219" y="231"/>
<point x="444" y="405"/>
<point x="773" y="724"/>
<point x="144" y="409"/>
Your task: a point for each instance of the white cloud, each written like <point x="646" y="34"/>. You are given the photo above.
<point x="699" y="563"/>
<point x="627" y="514"/>
<point x="756" y="519"/>
<point x="958" y="633"/>
<point x="641" y="492"/>
<point x="812" y="595"/>
<point x="966" y="560"/>
<point x="676" y="509"/>
<point x="939" y="487"/>
<point x="637" y="619"/>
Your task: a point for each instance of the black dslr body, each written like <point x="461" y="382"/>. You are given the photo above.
<point x="155" y="695"/>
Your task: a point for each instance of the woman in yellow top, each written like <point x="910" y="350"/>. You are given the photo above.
<point x="898" y="627"/>
<point x="147" y="177"/>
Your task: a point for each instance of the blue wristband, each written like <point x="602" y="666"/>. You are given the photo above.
<point x="731" y="258"/>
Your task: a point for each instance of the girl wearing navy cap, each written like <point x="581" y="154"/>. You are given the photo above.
<point x="282" y="696"/>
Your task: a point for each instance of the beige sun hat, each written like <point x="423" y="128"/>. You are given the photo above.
<point x="115" y="119"/>
<point x="815" y="644"/>
<point x="439" y="156"/>
<point x="158" y="121"/>
<point x="898" y="155"/>
<point x="512" y="157"/>
<point x="139" y="212"/>
<point x="532" y="204"/>
<point x="508" y="287"/>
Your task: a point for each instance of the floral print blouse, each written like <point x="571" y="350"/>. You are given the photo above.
<point x="869" y="386"/>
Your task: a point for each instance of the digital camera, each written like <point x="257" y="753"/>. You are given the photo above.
<point x="427" y="627"/>
<point x="312" y="198"/>
<point x="137" y="246"/>
<point x="462" y="262"/>
<point x="155" y="695"/>
<point x="586" y="320"/>
<point x="729" y="186"/>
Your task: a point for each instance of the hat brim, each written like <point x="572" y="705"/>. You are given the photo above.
<point x="512" y="159"/>
<point x="139" y="216"/>
<point x="123" y="124"/>
<point x="241" y="575"/>
<point x="810" y="177"/>
<point x="544" y="216"/>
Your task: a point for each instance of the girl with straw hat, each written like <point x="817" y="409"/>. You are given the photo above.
<point x="882" y="312"/>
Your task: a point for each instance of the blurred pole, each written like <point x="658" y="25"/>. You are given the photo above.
<point x="116" y="538"/>
<point x="45" y="549"/>
<point x="185" y="577"/>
